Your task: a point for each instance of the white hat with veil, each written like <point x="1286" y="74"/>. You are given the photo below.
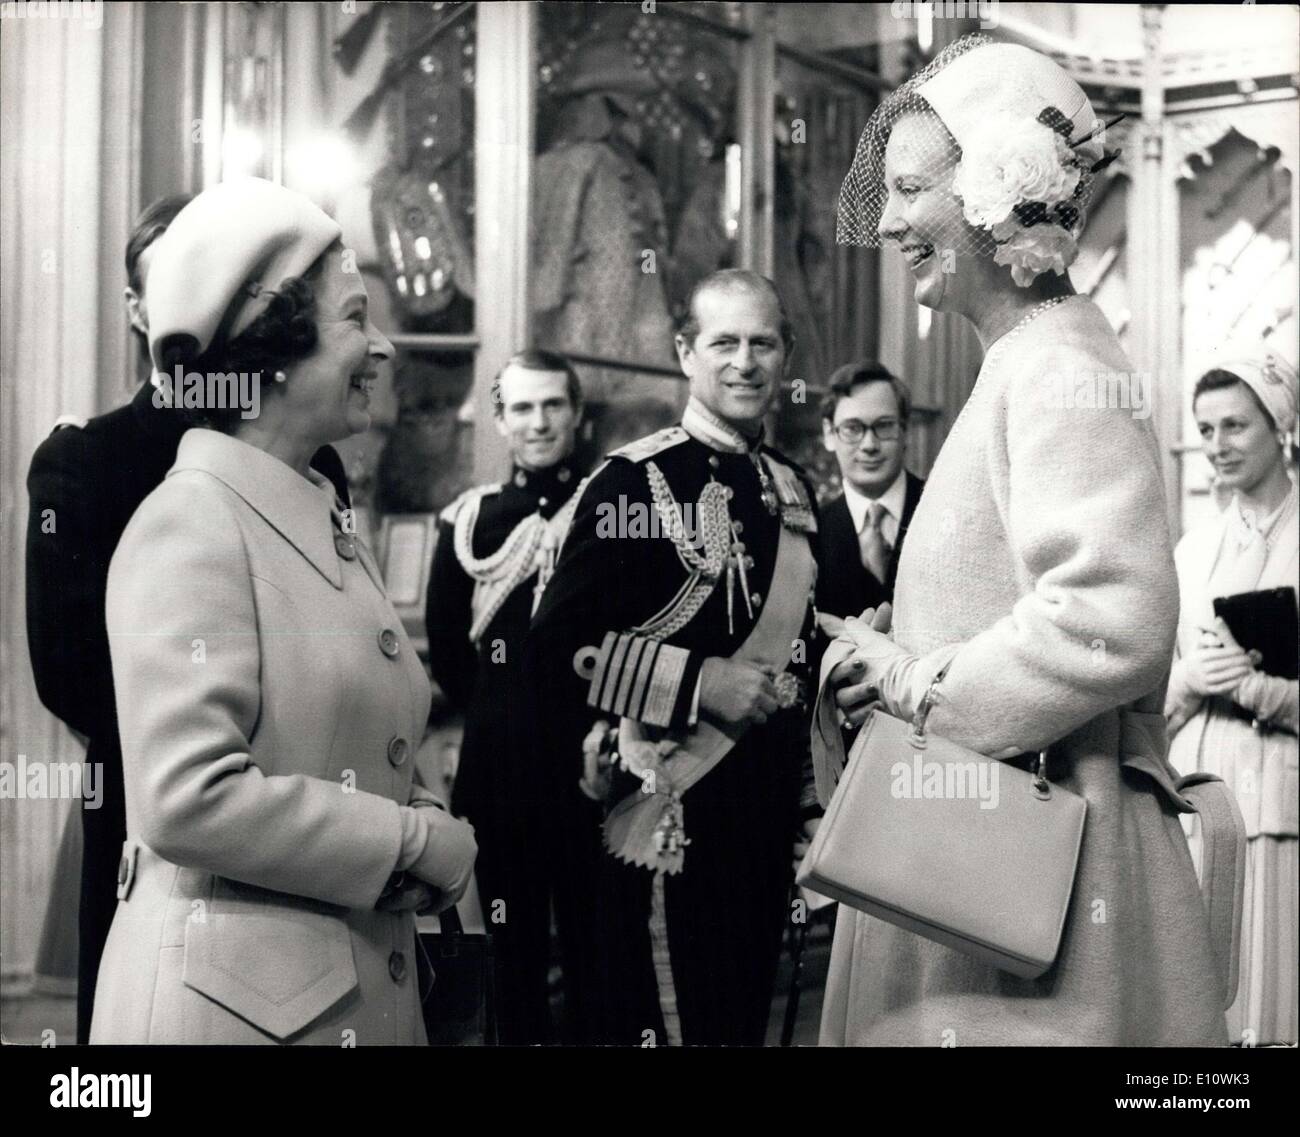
<point x="1030" y="147"/>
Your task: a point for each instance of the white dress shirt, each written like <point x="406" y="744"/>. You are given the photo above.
<point x="893" y="499"/>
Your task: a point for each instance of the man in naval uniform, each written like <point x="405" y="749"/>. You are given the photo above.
<point x="538" y="838"/>
<point x="675" y="631"/>
<point x="86" y="480"/>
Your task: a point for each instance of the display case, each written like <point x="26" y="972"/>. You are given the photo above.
<point x="560" y="174"/>
<point x="650" y="145"/>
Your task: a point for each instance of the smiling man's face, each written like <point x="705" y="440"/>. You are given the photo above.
<point x="536" y="418"/>
<point x="737" y="359"/>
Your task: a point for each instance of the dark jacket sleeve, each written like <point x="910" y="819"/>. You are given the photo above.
<point x="67" y="576"/>
<point x="452" y="657"/>
<point x="824" y="546"/>
<point x="599" y="591"/>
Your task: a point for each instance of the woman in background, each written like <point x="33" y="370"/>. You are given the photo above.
<point x="1226" y="716"/>
<point x="269" y="701"/>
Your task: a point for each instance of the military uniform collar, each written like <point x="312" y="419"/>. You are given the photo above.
<point x="557" y="480"/>
<point x="715" y="432"/>
<point x="296" y="508"/>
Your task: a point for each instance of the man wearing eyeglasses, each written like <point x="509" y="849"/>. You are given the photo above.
<point x="864" y="424"/>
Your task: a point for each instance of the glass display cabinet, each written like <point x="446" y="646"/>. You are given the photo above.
<point x="650" y="145"/>
<point x="560" y="174"/>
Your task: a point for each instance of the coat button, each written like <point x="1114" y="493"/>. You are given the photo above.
<point x="738" y="527"/>
<point x="755" y="599"/>
<point x="344" y="547"/>
<point x="397" y="966"/>
<point x="397" y="750"/>
<point x="389" y="643"/>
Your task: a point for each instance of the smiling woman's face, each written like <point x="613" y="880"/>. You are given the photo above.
<point x="924" y="215"/>
<point x="1238" y="438"/>
<point x="328" y="392"/>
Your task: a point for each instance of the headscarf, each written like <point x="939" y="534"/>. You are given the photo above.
<point x="1273" y="380"/>
<point x="1244" y="552"/>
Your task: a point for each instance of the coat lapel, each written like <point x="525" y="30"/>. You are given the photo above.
<point x="294" y="507"/>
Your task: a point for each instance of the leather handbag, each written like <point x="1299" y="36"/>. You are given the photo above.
<point x="459" y="996"/>
<point x="971" y="852"/>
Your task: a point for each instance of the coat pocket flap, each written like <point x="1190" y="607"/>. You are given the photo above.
<point x="278" y="969"/>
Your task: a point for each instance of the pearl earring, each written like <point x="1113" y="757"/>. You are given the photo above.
<point x="280" y="377"/>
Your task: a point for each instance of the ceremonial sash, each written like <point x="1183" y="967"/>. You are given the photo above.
<point x="633" y="824"/>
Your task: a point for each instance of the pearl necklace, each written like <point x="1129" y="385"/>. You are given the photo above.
<point x="1033" y="313"/>
<point x="992" y="354"/>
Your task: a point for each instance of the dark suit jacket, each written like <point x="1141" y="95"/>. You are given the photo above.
<point x="844" y="587"/>
<point x="84" y="484"/>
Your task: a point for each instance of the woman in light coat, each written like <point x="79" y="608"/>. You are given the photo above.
<point x="1037" y="567"/>
<point x="269" y="702"/>
<point x="1226" y="715"/>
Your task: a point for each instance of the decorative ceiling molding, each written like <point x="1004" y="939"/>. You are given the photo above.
<point x="1267" y="124"/>
<point x="1101" y="71"/>
<point x="1250" y="65"/>
<point x="1220" y="65"/>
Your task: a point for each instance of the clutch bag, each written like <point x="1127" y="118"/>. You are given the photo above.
<point x="970" y="852"/>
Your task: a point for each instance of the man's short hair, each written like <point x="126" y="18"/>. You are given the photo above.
<point x="845" y="380"/>
<point x="734" y="279"/>
<point x="148" y="227"/>
<point x="534" y="360"/>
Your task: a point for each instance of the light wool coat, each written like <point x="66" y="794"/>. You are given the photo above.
<point x="1040" y="553"/>
<point x="270" y="706"/>
<point x="1260" y="766"/>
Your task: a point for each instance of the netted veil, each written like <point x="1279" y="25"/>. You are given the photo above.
<point x="1027" y="145"/>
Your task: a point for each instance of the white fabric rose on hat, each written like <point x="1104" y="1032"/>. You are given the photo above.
<point x="1035" y="250"/>
<point x="1012" y="160"/>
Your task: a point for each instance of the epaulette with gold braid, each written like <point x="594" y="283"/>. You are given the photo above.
<point x="651" y="444"/>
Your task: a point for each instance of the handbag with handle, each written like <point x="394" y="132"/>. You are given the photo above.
<point x="965" y="850"/>
<point x="459" y="997"/>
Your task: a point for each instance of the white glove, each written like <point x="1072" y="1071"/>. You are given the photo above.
<point x="446" y="857"/>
